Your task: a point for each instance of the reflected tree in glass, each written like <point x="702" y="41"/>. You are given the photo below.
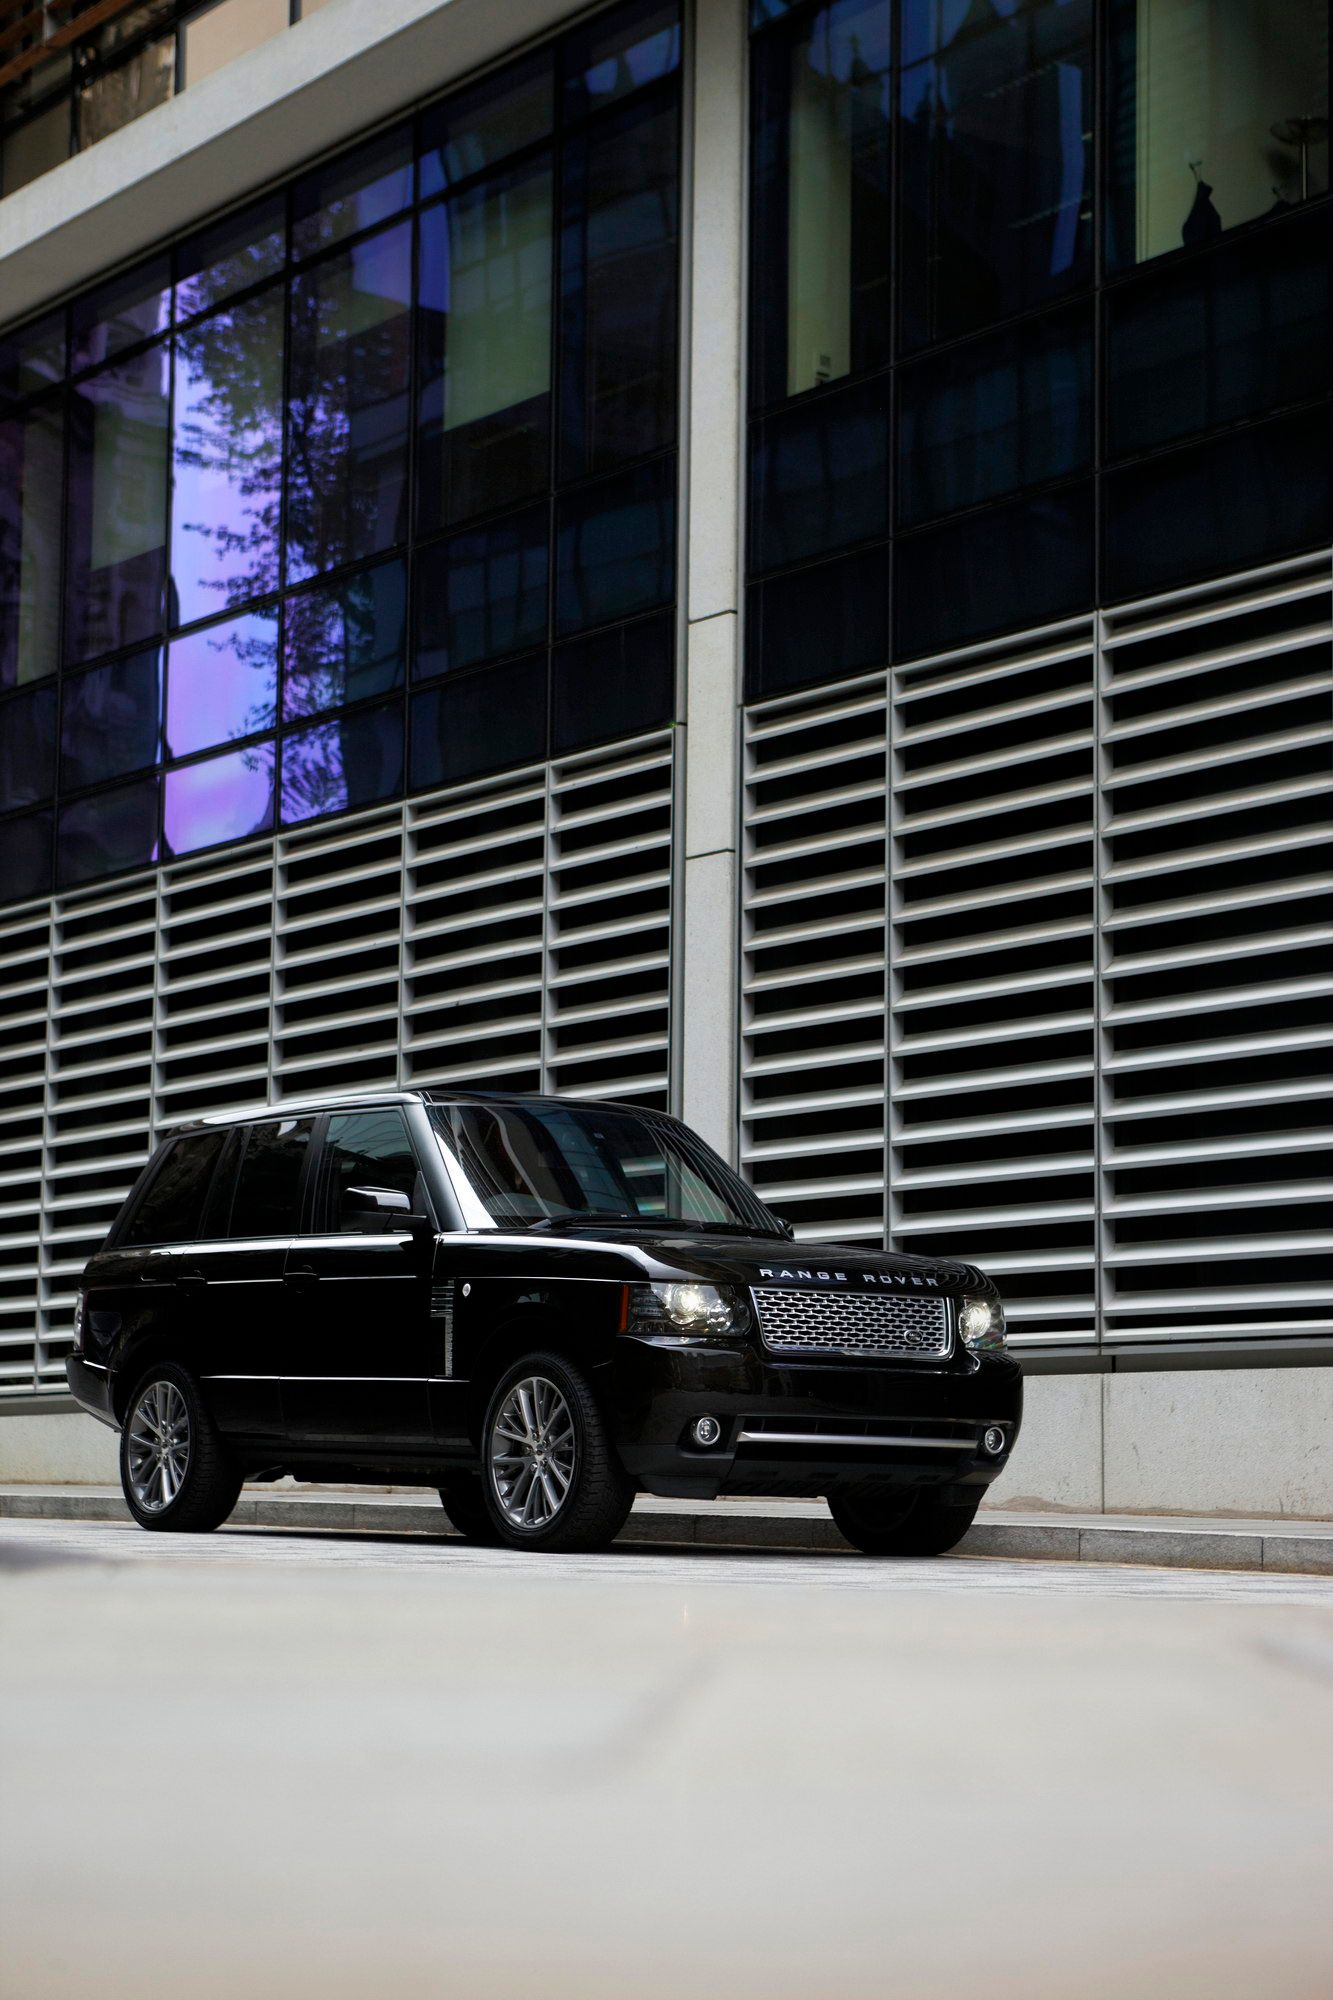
<point x="227" y="461"/>
<point x="348" y="414"/>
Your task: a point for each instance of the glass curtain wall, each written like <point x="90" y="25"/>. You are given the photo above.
<point x="986" y="393"/>
<point x="370" y="486"/>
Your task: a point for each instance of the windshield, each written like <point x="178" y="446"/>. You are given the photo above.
<point x="522" y="1164"/>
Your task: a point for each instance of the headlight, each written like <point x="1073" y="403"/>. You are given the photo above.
<point x="687" y="1312"/>
<point x="981" y="1325"/>
<point x="79" y="1305"/>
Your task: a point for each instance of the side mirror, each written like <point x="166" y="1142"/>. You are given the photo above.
<point x="389" y="1206"/>
<point x="785" y="1227"/>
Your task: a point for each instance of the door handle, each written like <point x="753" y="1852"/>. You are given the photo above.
<point x="155" y="1278"/>
<point x="304" y="1274"/>
<point x="191" y="1281"/>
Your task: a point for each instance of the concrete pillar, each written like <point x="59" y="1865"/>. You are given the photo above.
<point x="707" y="934"/>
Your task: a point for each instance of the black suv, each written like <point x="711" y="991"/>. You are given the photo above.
<point x="536" y="1306"/>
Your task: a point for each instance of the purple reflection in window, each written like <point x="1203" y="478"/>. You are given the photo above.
<point x="338" y="765"/>
<point x="222" y="683"/>
<point x="227" y="459"/>
<point x="222" y="798"/>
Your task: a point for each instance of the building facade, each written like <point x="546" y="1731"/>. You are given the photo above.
<point x="771" y="559"/>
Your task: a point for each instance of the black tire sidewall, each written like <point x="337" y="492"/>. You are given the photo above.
<point x="921" y="1526"/>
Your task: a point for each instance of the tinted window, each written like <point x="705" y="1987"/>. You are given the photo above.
<point x="116" y="558"/>
<point x="365" y="1149"/>
<point x="172" y="1208"/>
<point x="268" y="1187"/>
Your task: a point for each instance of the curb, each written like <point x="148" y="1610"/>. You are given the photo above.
<point x="1157" y="1543"/>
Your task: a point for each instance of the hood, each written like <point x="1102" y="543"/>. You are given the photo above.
<point x="772" y="1260"/>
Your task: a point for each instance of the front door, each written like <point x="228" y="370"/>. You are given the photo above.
<point x="357" y="1338"/>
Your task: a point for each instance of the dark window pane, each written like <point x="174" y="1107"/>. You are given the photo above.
<point x="1235" y="334"/>
<point x="997" y="414"/>
<point x="119" y="314"/>
<point x="34" y="147"/>
<point x="1015" y="565"/>
<point x="618" y="289"/>
<point x="25" y="857"/>
<point x="222" y="683"/>
<point x="112" y="721"/>
<point x="474" y="129"/>
<point x="995" y="160"/>
<point x="32" y="357"/>
<point x="482" y="594"/>
<point x="614" y="683"/>
<point x="347" y="424"/>
<point x="116" y="561"/>
<point x="618" y="52"/>
<point x="111" y="831"/>
<point x="354" y="761"/>
<point x="364" y="1149"/>
<point x="115" y="97"/>
<point x="229" y="256"/>
<point x="227" y="467"/>
<point x="345" y="643"/>
<point x="31" y="484"/>
<point x="353" y="192"/>
<point x="219" y="798"/>
<point x="818" y="624"/>
<point x="27" y="749"/>
<point x="171" y="1209"/>
<point x="268" y="1187"/>
<point x="819" y="264"/>
<point x="1213" y="119"/>
<point x="615" y="547"/>
<point x="485" y="319"/>
<point x="1237" y="500"/>
<point x="484" y="722"/>
<point x="819" y="476"/>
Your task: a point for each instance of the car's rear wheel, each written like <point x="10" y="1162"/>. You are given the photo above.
<point x="551" y="1476"/>
<point x="174" y="1469"/>
<point x="898" y="1521"/>
<point x="465" y="1504"/>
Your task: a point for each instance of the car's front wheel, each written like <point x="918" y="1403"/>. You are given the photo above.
<point x="174" y="1469"/>
<point x="898" y="1521"/>
<point x="551" y="1475"/>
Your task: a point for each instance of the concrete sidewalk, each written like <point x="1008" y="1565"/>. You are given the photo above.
<point x="1175" y="1541"/>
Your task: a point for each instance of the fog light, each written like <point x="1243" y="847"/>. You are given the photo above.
<point x="707" y="1430"/>
<point x="992" y="1440"/>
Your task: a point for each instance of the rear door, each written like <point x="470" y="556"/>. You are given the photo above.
<point x="357" y="1335"/>
<point x="234" y="1281"/>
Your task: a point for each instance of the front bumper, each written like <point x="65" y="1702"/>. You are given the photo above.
<point x="90" y="1387"/>
<point x="802" y="1427"/>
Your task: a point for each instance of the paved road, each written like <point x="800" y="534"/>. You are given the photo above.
<point x="265" y="1763"/>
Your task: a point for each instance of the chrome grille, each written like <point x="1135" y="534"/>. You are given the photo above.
<point x="810" y="1322"/>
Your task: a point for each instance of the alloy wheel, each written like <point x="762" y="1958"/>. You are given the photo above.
<point x="158" y="1454"/>
<point x="533" y="1449"/>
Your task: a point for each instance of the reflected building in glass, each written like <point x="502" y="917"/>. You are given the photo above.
<point x="770" y="557"/>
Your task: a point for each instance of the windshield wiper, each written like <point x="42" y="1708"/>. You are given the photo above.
<point x="580" y="1215"/>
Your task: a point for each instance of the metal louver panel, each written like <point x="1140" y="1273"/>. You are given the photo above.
<point x="1217" y="961"/>
<point x="813" y="1044"/>
<point x="1096" y="894"/>
<point x="514" y="935"/>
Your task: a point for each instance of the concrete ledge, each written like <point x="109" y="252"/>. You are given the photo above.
<point x="1289" y="1547"/>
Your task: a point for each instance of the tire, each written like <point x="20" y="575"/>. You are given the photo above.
<point x="591" y="1506"/>
<point x="207" y="1484"/>
<point x="465" y="1504"/>
<point x="886" y="1521"/>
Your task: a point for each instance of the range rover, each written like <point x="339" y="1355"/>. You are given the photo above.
<point x="538" y="1307"/>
